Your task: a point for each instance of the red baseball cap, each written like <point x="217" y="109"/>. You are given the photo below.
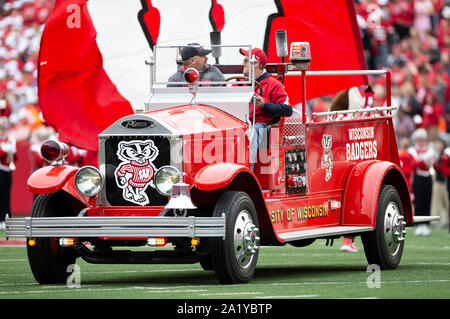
<point x="259" y="54"/>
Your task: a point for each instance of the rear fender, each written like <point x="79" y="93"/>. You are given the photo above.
<point x="50" y="179"/>
<point x="360" y="200"/>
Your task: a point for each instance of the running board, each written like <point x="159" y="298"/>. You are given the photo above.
<point x="322" y="232"/>
<point x="423" y="219"/>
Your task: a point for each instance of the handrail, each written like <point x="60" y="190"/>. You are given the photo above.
<point x="368" y="110"/>
<point x="305" y="73"/>
<point x="343" y="72"/>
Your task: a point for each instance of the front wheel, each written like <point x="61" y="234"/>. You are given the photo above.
<point x="234" y="258"/>
<point x="49" y="261"/>
<point x="384" y="245"/>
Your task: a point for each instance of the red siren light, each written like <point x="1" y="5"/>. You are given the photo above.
<point x="191" y="75"/>
<point x="53" y="151"/>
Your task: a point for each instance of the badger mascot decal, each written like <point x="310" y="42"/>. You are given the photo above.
<point x="327" y="156"/>
<point x="136" y="171"/>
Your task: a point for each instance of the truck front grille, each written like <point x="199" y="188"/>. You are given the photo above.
<point x="130" y="163"/>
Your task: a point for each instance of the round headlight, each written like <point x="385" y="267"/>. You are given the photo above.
<point x="89" y="181"/>
<point x="164" y="179"/>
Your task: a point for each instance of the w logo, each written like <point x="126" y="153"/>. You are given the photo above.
<point x="144" y="174"/>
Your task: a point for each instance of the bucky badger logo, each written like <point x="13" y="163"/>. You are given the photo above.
<point x="327" y="156"/>
<point x="136" y="171"/>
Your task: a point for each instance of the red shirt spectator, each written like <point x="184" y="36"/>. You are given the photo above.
<point x="407" y="163"/>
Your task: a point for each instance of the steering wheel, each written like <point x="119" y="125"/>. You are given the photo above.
<point x="240" y="77"/>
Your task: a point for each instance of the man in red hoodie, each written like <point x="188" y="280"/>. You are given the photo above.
<point x="272" y="104"/>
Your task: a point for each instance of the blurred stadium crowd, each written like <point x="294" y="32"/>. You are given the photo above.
<point x="21" y="26"/>
<point x="410" y="37"/>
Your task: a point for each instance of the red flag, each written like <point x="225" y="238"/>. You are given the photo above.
<point x="331" y="29"/>
<point x="75" y="94"/>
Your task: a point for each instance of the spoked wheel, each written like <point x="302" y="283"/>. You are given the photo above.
<point x="384" y="245"/>
<point x="240" y="77"/>
<point x="234" y="258"/>
<point x="48" y="261"/>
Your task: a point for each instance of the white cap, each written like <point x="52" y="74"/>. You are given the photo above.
<point x="4" y="123"/>
<point x="446" y="12"/>
<point x="419" y="134"/>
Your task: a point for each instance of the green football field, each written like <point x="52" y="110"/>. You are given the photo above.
<point x="314" y="272"/>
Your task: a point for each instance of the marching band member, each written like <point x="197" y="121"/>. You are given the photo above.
<point x="7" y="158"/>
<point x="422" y="180"/>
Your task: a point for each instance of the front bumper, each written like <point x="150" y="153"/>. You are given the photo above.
<point x="111" y="227"/>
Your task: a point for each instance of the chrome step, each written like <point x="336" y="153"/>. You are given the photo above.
<point x="423" y="219"/>
<point x="322" y="232"/>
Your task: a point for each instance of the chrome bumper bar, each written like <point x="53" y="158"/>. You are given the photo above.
<point x="157" y="226"/>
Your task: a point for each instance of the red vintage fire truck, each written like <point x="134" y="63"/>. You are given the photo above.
<point x="176" y="174"/>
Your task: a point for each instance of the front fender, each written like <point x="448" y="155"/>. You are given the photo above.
<point x="360" y="200"/>
<point x="50" y="179"/>
<point x="219" y="175"/>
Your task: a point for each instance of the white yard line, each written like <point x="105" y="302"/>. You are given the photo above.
<point x="285" y="297"/>
<point x="183" y="288"/>
<point x="172" y="291"/>
<point x="113" y="272"/>
<point x="82" y="289"/>
<point x="140" y="271"/>
<point x="426" y="264"/>
<point x="232" y="293"/>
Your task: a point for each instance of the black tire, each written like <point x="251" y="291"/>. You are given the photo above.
<point x="48" y="260"/>
<point x="206" y="262"/>
<point x="234" y="258"/>
<point x="384" y="245"/>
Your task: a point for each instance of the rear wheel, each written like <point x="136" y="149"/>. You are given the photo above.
<point x="384" y="245"/>
<point x="48" y="260"/>
<point x="234" y="258"/>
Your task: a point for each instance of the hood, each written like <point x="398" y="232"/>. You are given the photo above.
<point x="190" y="119"/>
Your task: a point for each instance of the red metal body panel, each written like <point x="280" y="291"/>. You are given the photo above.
<point x="352" y="142"/>
<point x="209" y="136"/>
<point x="191" y="119"/>
<point x="362" y="190"/>
<point x="363" y="152"/>
<point x="300" y="213"/>
<point x="117" y="211"/>
<point x="50" y="179"/>
<point x="218" y="175"/>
